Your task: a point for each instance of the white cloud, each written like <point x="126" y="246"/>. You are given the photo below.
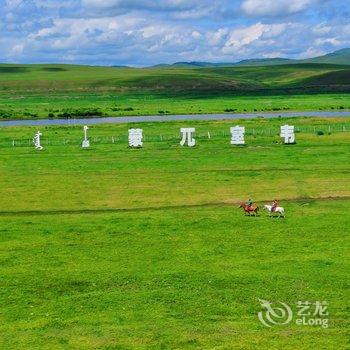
<point x="217" y="37"/>
<point x="331" y="41"/>
<point x="110" y="7"/>
<point x="273" y="8"/>
<point x="12" y="4"/>
<point x="272" y="54"/>
<point x="312" y="52"/>
<point x="321" y="29"/>
<point x="196" y="35"/>
<point x="243" y="37"/>
<point x="16" y="49"/>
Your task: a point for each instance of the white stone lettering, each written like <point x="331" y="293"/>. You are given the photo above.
<point x="135" y="138"/>
<point x="187" y="136"/>
<point x="237" y="135"/>
<point x="37" y="141"/>
<point x="287" y="132"/>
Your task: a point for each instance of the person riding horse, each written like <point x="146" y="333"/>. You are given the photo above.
<point x="248" y="204"/>
<point x="274" y="205"/>
<point x="249" y="207"/>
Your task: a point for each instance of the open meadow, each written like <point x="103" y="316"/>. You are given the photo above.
<point x="68" y="91"/>
<point x="118" y="248"/>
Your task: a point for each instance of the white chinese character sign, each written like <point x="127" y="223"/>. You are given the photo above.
<point x="237" y="135"/>
<point x="37" y="141"/>
<point x="187" y="137"/>
<point x="287" y="132"/>
<point x="135" y="138"/>
<point x="86" y="142"/>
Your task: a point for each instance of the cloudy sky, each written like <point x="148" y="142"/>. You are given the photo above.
<point x="146" y="32"/>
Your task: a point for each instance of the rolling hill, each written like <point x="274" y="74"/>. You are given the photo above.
<point x="66" y="91"/>
<point x="337" y="57"/>
<point x="180" y="80"/>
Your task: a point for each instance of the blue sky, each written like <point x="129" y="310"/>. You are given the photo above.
<point x="146" y="32"/>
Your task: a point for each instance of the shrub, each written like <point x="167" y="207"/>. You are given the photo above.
<point x="29" y="114"/>
<point x="5" y="114"/>
<point x="76" y="113"/>
<point x="319" y="133"/>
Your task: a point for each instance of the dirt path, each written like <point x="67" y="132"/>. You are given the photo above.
<point x="167" y="207"/>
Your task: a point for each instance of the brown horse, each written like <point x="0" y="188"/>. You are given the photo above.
<point x="253" y="209"/>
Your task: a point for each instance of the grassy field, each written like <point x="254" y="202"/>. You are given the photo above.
<point x="56" y="91"/>
<point x="114" y="248"/>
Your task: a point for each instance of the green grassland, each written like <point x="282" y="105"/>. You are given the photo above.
<point x="41" y="91"/>
<point x="118" y="248"/>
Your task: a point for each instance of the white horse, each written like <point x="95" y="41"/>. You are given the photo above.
<point x="279" y="210"/>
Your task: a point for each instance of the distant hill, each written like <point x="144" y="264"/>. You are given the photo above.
<point x="265" y="61"/>
<point x="199" y="79"/>
<point x="337" y="57"/>
<point x="250" y="62"/>
<point x="192" y="64"/>
<point x="121" y="66"/>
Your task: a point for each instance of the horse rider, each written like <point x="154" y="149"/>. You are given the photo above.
<point x="248" y="204"/>
<point x="274" y="205"/>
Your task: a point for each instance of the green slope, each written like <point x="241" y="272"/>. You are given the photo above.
<point x="337" y="57"/>
<point x="66" y="91"/>
<point x="216" y="80"/>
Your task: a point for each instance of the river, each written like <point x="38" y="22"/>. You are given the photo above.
<point x="163" y="118"/>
